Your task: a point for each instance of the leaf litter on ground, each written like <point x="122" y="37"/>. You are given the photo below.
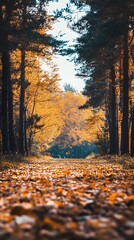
<point x="67" y="199"/>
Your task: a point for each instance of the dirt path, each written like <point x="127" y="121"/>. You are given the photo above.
<point x="67" y="199"/>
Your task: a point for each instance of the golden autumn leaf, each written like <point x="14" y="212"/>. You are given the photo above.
<point x="131" y="198"/>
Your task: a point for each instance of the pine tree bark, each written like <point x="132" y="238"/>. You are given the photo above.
<point x="132" y="133"/>
<point x="5" y="74"/>
<point x="12" y="143"/>
<point x="22" y="106"/>
<point x="25" y="129"/>
<point x="0" y="102"/>
<point x="114" y="140"/>
<point x="22" y="114"/>
<point x="4" y="104"/>
<point x="0" y="76"/>
<point x="125" y="109"/>
<point x="8" y="139"/>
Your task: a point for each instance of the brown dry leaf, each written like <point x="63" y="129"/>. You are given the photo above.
<point x="20" y="211"/>
<point x="94" y="223"/>
<point x="66" y="199"/>
<point x="131" y="198"/>
<point x="116" y="196"/>
<point x="59" y="191"/>
<point x="47" y="234"/>
<point x="104" y="189"/>
<point x="59" y="204"/>
<point x="52" y="225"/>
<point x="71" y="225"/>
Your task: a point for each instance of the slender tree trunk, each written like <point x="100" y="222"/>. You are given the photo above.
<point x="25" y="129"/>
<point x="4" y="107"/>
<point x="125" y="117"/>
<point x="22" y="120"/>
<point x="114" y="144"/>
<point x="22" y="106"/>
<point x="32" y="112"/>
<point x="5" y="74"/>
<point x="30" y="139"/>
<point x="0" y="76"/>
<point x="121" y="81"/>
<point x="120" y="96"/>
<point x="0" y="101"/>
<point x="132" y="133"/>
<point x="12" y="143"/>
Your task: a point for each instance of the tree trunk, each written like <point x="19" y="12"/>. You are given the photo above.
<point x="4" y="107"/>
<point x="0" y="76"/>
<point x="132" y="133"/>
<point x="22" y="106"/>
<point x="5" y="73"/>
<point x="125" y="117"/>
<point x="8" y="140"/>
<point x="22" y="125"/>
<point x="0" y="102"/>
<point x="12" y="143"/>
<point x="30" y="140"/>
<point x="32" y="113"/>
<point x="114" y="143"/>
<point x="25" y="129"/>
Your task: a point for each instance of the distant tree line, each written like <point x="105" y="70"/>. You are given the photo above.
<point x="106" y="60"/>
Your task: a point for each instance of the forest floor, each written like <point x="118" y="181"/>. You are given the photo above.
<point x="67" y="199"/>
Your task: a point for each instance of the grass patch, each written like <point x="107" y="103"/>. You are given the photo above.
<point x="7" y="162"/>
<point x="13" y="161"/>
<point x="126" y="161"/>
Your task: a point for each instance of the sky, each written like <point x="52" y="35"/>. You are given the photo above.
<point x="66" y="68"/>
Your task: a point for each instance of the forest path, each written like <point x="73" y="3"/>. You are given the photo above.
<point x="68" y="199"/>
